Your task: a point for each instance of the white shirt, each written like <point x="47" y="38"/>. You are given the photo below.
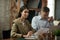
<point x="38" y="22"/>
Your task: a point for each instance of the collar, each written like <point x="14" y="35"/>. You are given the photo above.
<point x="40" y="18"/>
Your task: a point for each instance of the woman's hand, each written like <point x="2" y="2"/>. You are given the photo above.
<point x="25" y="36"/>
<point x="28" y="34"/>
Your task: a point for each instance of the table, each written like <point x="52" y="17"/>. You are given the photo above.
<point x="31" y="38"/>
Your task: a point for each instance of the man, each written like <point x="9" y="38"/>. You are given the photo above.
<point x="42" y="21"/>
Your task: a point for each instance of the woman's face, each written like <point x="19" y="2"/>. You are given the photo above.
<point x="25" y="13"/>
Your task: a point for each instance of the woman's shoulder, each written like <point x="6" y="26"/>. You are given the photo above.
<point x="16" y="20"/>
<point x="28" y="22"/>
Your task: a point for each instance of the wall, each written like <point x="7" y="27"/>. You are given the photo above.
<point x="4" y="14"/>
<point x="57" y="11"/>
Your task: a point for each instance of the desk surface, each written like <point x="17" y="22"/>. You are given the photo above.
<point x="32" y="37"/>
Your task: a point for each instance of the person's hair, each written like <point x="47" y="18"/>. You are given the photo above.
<point x="45" y="9"/>
<point x="21" y="9"/>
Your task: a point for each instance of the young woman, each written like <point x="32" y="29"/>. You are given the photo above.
<point x="21" y="27"/>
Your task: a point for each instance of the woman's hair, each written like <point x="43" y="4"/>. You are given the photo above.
<point x="21" y="9"/>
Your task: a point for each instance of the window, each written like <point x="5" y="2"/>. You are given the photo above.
<point x="51" y="5"/>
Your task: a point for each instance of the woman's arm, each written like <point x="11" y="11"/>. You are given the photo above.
<point x="32" y="31"/>
<point x="14" y="31"/>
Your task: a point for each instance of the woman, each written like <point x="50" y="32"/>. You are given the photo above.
<point x="21" y="27"/>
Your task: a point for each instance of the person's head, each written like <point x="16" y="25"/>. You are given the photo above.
<point x="44" y="12"/>
<point x="24" y="12"/>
